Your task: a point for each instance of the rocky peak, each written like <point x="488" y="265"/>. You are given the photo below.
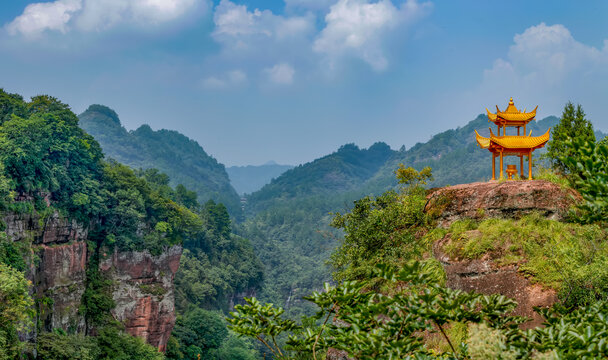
<point x="508" y="199"/>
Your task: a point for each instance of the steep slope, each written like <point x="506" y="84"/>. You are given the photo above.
<point x="250" y="178"/>
<point x="183" y="159"/>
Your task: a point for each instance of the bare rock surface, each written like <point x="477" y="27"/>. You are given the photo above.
<point x="143" y="283"/>
<point x="508" y="199"/>
<point x="144" y="292"/>
<point x="485" y="277"/>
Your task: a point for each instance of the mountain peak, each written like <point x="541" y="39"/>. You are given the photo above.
<point x="108" y="113"/>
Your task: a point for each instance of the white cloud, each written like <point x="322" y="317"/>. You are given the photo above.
<point x="357" y="28"/>
<point x="281" y="74"/>
<point x="39" y="17"/>
<point x="546" y="66"/>
<point x="237" y="27"/>
<point x="269" y="44"/>
<point x="546" y="55"/>
<point x="227" y="80"/>
<point x="97" y="15"/>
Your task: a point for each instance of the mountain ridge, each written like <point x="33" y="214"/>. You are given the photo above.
<point x="182" y="158"/>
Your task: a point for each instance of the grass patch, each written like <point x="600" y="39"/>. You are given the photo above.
<point x="571" y="258"/>
<point x="543" y="173"/>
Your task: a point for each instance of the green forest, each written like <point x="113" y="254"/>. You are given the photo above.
<point x="390" y="300"/>
<point x="341" y="240"/>
<point x="47" y="156"/>
<point x="168" y="151"/>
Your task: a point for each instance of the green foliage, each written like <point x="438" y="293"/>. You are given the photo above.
<point x="570" y="258"/>
<point x="58" y="346"/>
<point x="199" y="332"/>
<point x="548" y="174"/>
<point x="13" y="253"/>
<point x="15" y="310"/>
<point x="183" y="159"/>
<point x="590" y="178"/>
<point x="412" y="178"/>
<point x="572" y="125"/>
<point x="114" y="344"/>
<point x="371" y="325"/>
<point x="97" y="298"/>
<point x="377" y="229"/>
<point x="11" y="104"/>
<point x="202" y="332"/>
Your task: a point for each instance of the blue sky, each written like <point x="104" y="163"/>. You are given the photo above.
<point x="292" y="80"/>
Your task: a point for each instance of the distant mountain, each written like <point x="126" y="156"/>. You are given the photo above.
<point x="454" y="155"/>
<point x="183" y="159"/>
<point x="342" y="171"/>
<point x="250" y="178"/>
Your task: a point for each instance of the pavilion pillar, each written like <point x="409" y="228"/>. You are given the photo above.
<point x="529" y="164"/>
<point x="518" y="131"/>
<point x="501" y="175"/>
<point x="524" y="129"/>
<point x="493" y="166"/>
<point x="521" y="165"/>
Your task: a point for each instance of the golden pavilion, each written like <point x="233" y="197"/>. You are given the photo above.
<point x="502" y="145"/>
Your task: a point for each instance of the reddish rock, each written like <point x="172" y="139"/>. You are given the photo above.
<point x="59" y="229"/>
<point x="60" y="278"/>
<point x="143" y="289"/>
<point x="144" y="293"/>
<point x="484" y="277"/>
<point x="509" y="199"/>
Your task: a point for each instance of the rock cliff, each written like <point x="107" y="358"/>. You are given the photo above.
<point x="510" y="200"/>
<point x="57" y="266"/>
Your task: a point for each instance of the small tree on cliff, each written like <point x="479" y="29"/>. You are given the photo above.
<point x="572" y="125"/>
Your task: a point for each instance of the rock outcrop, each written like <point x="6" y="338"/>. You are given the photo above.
<point x="511" y="200"/>
<point x="508" y="199"/>
<point x="144" y="297"/>
<point x="485" y="277"/>
<point x="143" y="283"/>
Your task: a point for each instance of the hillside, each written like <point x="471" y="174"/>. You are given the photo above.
<point x="250" y="178"/>
<point x="183" y="159"/>
<point x="345" y="170"/>
<point x="453" y="155"/>
<point x="100" y="261"/>
<point x="288" y="219"/>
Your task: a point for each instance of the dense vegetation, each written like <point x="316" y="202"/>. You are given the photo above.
<point x="50" y="165"/>
<point x="183" y="159"/>
<point x="289" y="219"/>
<point x="381" y="312"/>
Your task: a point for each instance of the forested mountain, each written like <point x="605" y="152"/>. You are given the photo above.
<point x="183" y="159"/>
<point x="454" y="155"/>
<point x="250" y="178"/>
<point x="344" y="170"/>
<point x="121" y="233"/>
<point x="288" y="219"/>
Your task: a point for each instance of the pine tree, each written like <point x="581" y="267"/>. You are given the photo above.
<point x="572" y="125"/>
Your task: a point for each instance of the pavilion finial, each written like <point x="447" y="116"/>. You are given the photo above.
<point x="511" y="101"/>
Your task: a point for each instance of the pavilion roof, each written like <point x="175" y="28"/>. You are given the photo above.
<point x="512" y="142"/>
<point x="511" y="114"/>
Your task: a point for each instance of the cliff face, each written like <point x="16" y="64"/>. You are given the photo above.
<point x="143" y="283"/>
<point x="508" y="200"/>
<point x="144" y="297"/>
